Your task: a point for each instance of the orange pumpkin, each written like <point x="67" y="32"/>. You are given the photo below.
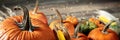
<point x="24" y="28"/>
<point x="68" y="25"/>
<point x="38" y="15"/>
<point x="97" y="22"/>
<point x="103" y="34"/>
<point x="72" y="20"/>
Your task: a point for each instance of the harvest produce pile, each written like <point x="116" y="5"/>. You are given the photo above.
<point x="33" y="25"/>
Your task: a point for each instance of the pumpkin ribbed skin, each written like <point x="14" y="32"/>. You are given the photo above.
<point x="96" y="34"/>
<point x="9" y="30"/>
<point x="70" y="28"/>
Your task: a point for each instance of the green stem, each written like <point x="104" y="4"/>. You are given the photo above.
<point x="26" y="23"/>
<point x="106" y="27"/>
<point x="76" y="30"/>
<point x="26" y="20"/>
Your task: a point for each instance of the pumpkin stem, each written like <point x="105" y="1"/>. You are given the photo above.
<point x="106" y="27"/>
<point x="76" y="30"/>
<point x="59" y="15"/>
<point x="26" y="20"/>
<point x="36" y="7"/>
<point x="62" y="27"/>
<point x="26" y="23"/>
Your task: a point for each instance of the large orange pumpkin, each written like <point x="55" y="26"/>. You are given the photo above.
<point x="24" y="28"/>
<point x="38" y="15"/>
<point x="103" y="34"/>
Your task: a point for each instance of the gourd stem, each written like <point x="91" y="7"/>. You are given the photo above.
<point x="64" y="30"/>
<point x="76" y="30"/>
<point x="36" y="7"/>
<point x="106" y="27"/>
<point x="59" y="15"/>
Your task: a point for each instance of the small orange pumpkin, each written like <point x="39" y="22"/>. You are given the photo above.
<point x="72" y="20"/>
<point x="24" y="28"/>
<point x="68" y="25"/>
<point x="103" y="34"/>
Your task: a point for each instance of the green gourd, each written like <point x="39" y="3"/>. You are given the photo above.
<point x="86" y="26"/>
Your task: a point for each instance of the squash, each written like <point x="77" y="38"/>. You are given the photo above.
<point x="115" y="27"/>
<point x="58" y="23"/>
<point x="63" y="25"/>
<point x="86" y="26"/>
<point x="103" y="34"/>
<point x="106" y="17"/>
<point x="61" y="33"/>
<point x="23" y="28"/>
